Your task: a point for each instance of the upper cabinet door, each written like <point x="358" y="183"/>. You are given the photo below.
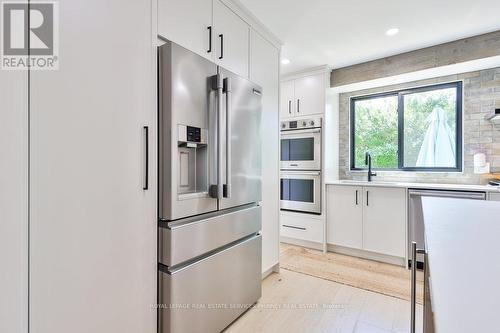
<point x="189" y="24"/>
<point x="310" y="95"/>
<point x="232" y="40"/>
<point x="287" y="103"/>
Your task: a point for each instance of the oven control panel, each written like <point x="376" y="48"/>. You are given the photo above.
<point x="288" y="125"/>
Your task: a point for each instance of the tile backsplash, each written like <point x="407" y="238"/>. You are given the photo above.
<point x="481" y="95"/>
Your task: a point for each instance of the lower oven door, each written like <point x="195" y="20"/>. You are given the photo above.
<point x="301" y="149"/>
<point x="301" y="191"/>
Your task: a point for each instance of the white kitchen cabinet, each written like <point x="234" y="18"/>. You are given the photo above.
<point x="310" y="95"/>
<point x="494" y="196"/>
<point x="301" y="227"/>
<point x="264" y="70"/>
<point x="231" y="40"/>
<point x="92" y="230"/>
<point x="287" y="105"/>
<point x="303" y="95"/>
<point x="189" y="24"/>
<point x="345" y="216"/>
<point x="367" y="218"/>
<point x="384" y="216"/>
<point x="14" y="201"/>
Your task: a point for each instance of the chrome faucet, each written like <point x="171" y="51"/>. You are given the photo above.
<point x="368" y="161"/>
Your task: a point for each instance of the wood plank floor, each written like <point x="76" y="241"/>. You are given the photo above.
<point x="293" y="302"/>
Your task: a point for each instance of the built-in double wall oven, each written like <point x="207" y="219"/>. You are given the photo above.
<point x="301" y="165"/>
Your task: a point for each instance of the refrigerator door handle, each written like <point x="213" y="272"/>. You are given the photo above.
<point x="228" y="91"/>
<point x="220" y="86"/>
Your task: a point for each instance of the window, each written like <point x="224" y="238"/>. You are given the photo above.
<point x="414" y="129"/>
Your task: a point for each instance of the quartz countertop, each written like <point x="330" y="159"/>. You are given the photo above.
<point x="463" y="251"/>
<point x="435" y="186"/>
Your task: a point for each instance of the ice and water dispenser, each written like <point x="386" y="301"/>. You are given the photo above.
<point x="193" y="160"/>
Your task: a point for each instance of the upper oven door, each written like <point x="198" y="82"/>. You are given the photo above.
<point x="301" y="149"/>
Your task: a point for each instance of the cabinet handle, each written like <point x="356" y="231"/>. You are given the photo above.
<point x="293" y="227"/>
<point x="146" y="164"/>
<point x="298" y="105"/>
<point x="209" y="39"/>
<point x="367" y="196"/>
<point x="221" y="36"/>
<point x="290" y="107"/>
<point x="356" y="197"/>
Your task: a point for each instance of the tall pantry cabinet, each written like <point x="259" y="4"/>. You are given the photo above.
<point x="78" y="231"/>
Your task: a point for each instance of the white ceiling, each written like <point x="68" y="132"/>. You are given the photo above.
<point x="342" y="33"/>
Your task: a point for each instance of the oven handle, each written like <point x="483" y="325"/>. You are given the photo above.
<point x="308" y="173"/>
<point x="301" y="131"/>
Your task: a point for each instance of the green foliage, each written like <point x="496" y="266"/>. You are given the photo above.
<point x="376" y="131"/>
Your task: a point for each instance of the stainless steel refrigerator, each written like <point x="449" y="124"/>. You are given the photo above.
<point x="209" y="193"/>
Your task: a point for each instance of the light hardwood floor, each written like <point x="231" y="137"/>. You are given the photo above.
<point x="293" y="302"/>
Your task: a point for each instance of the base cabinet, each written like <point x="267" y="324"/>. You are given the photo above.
<point x="345" y="216"/>
<point x="384" y="216"/>
<point x="367" y="218"/>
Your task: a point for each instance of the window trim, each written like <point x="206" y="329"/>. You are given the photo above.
<point x="458" y="85"/>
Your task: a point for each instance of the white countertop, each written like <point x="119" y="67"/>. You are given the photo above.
<point x="452" y="187"/>
<point x="464" y="263"/>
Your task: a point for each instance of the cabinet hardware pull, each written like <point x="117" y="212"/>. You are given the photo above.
<point x="356" y="197"/>
<point x="146" y="166"/>
<point x="209" y="28"/>
<point x="293" y="227"/>
<point x="290" y="107"/>
<point x="298" y="105"/>
<point x="221" y="36"/>
<point x="367" y="195"/>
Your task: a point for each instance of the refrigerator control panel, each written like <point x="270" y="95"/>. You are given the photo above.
<point x="192" y="134"/>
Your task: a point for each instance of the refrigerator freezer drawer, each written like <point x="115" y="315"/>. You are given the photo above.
<point x="187" y="241"/>
<point x="208" y="295"/>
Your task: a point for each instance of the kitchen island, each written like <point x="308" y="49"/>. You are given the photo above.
<point x="462" y="260"/>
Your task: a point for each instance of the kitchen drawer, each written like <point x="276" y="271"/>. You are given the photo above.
<point x="229" y="280"/>
<point x="308" y="229"/>
<point x="181" y="242"/>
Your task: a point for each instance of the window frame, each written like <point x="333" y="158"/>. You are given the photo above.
<point x="458" y="85"/>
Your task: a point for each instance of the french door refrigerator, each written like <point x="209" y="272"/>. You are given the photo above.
<point x="209" y="193"/>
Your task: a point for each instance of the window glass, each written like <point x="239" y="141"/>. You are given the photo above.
<point x="376" y="131"/>
<point x="430" y="129"/>
<point x="297" y="190"/>
<point x="413" y="129"/>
